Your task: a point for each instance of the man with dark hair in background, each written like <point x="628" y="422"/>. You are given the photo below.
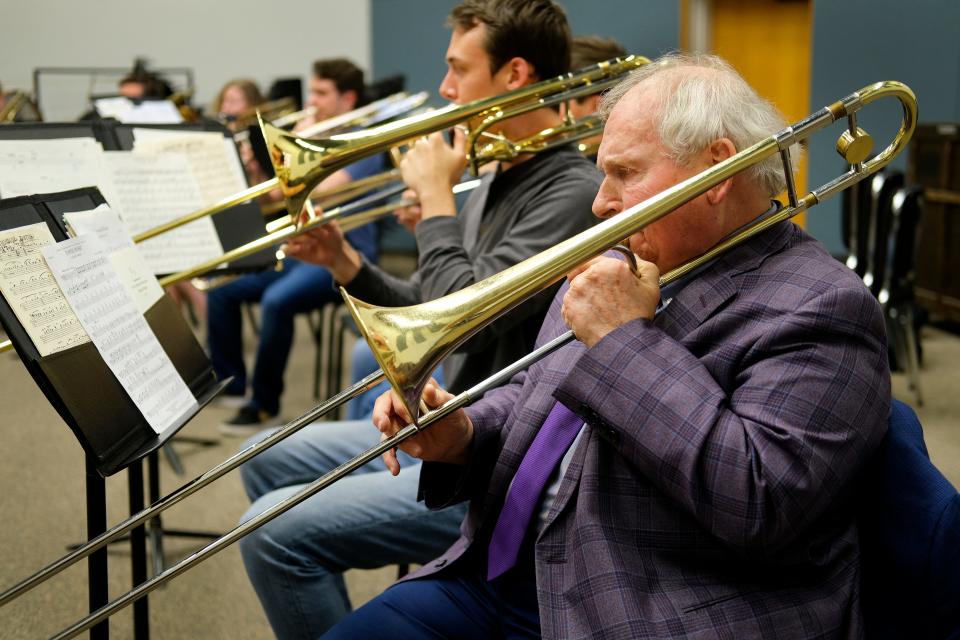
<point x="588" y="50"/>
<point x="521" y="208"/>
<point x="335" y="87"/>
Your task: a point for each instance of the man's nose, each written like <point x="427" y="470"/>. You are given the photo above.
<point x="447" y="89"/>
<point x="606" y="204"/>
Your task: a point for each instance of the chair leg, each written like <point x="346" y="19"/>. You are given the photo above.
<point x="336" y="360"/>
<point x="895" y="337"/>
<point x="252" y="317"/>
<point x="329" y="321"/>
<point x="912" y="346"/>
<point x="316" y="329"/>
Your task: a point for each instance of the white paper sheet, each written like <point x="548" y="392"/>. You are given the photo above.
<point x="150" y="189"/>
<point x="131" y="268"/>
<point x="217" y="174"/>
<point x="147" y="112"/>
<point x="33" y="294"/>
<point x="119" y="331"/>
<point x="180" y="141"/>
<point x="28" y="167"/>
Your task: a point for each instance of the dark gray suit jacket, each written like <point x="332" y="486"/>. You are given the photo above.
<point x="708" y="496"/>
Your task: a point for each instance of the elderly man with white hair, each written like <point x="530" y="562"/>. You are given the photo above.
<point x="683" y="469"/>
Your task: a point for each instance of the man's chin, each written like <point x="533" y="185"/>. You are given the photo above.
<point x="642" y="250"/>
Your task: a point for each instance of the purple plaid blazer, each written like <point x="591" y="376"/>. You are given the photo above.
<point x="709" y="496"/>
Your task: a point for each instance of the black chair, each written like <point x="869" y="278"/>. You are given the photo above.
<point x="855" y="225"/>
<point x="909" y="520"/>
<point x="882" y="187"/>
<point x="896" y="292"/>
<point x="326" y="368"/>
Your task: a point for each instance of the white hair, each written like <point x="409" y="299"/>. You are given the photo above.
<point x="700" y="99"/>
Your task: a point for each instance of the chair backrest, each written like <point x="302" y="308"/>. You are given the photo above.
<point x="905" y="214"/>
<point x="909" y="519"/>
<point x="856" y="201"/>
<point x="882" y="187"/>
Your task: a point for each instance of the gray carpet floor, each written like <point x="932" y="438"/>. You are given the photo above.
<point x="42" y="506"/>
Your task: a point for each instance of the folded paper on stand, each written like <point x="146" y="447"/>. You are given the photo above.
<point x="130" y="266"/>
<point x="121" y="334"/>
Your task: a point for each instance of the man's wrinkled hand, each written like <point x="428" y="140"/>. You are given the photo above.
<point x="605" y="294"/>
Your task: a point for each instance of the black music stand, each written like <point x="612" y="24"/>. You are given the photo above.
<point x="104" y="419"/>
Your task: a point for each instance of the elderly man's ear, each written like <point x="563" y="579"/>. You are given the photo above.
<point x="718" y="151"/>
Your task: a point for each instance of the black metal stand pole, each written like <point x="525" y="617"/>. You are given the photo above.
<point x="138" y="552"/>
<point x="97" y="562"/>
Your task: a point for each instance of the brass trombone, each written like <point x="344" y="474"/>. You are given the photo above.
<point x="499" y="149"/>
<point x="301" y="164"/>
<point x="18" y="102"/>
<point x="446" y="322"/>
<point x="388" y="107"/>
<point x="372" y="113"/>
<point x="277" y="111"/>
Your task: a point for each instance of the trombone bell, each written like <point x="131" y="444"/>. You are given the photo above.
<point x="297" y="166"/>
<point x="410" y="342"/>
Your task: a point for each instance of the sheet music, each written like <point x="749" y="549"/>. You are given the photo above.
<point x="147" y="112"/>
<point x="130" y="266"/>
<point x="119" y="331"/>
<point x="28" y="167"/>
<point x="33" y="294"/>
<point x="213" y="158"/>
<point x="149" y="189"/>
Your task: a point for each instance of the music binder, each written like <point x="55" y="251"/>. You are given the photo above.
<point x="236" y="226"/>
<point x="77" y="381"/>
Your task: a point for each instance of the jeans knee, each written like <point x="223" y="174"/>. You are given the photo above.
<point x="255" y="472"/>
<point x="274" y="307"/>
<point x="259" y="549"/>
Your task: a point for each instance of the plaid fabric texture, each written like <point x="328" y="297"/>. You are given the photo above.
<point x="709" y="497"/>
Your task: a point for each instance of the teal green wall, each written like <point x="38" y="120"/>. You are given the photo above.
<point x="409" y="36"/>
<point x="857" y="42"/>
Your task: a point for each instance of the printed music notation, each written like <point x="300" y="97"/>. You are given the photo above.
<point x="32" y="292"/>
<point x="132" y="269"/>
<point x="213" y="159"/>
<point x="93" y="290"/>
<point x="149" y="189"/>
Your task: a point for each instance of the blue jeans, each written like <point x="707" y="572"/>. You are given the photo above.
<point x="299" y="288"/>
<point x="367" y="520"/>
<point x="458" y="603"/>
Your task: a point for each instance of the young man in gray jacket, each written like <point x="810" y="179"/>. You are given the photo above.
<point x="521" y="208"/>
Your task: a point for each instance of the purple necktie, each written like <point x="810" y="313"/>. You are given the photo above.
<point x="554" y="438"/>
